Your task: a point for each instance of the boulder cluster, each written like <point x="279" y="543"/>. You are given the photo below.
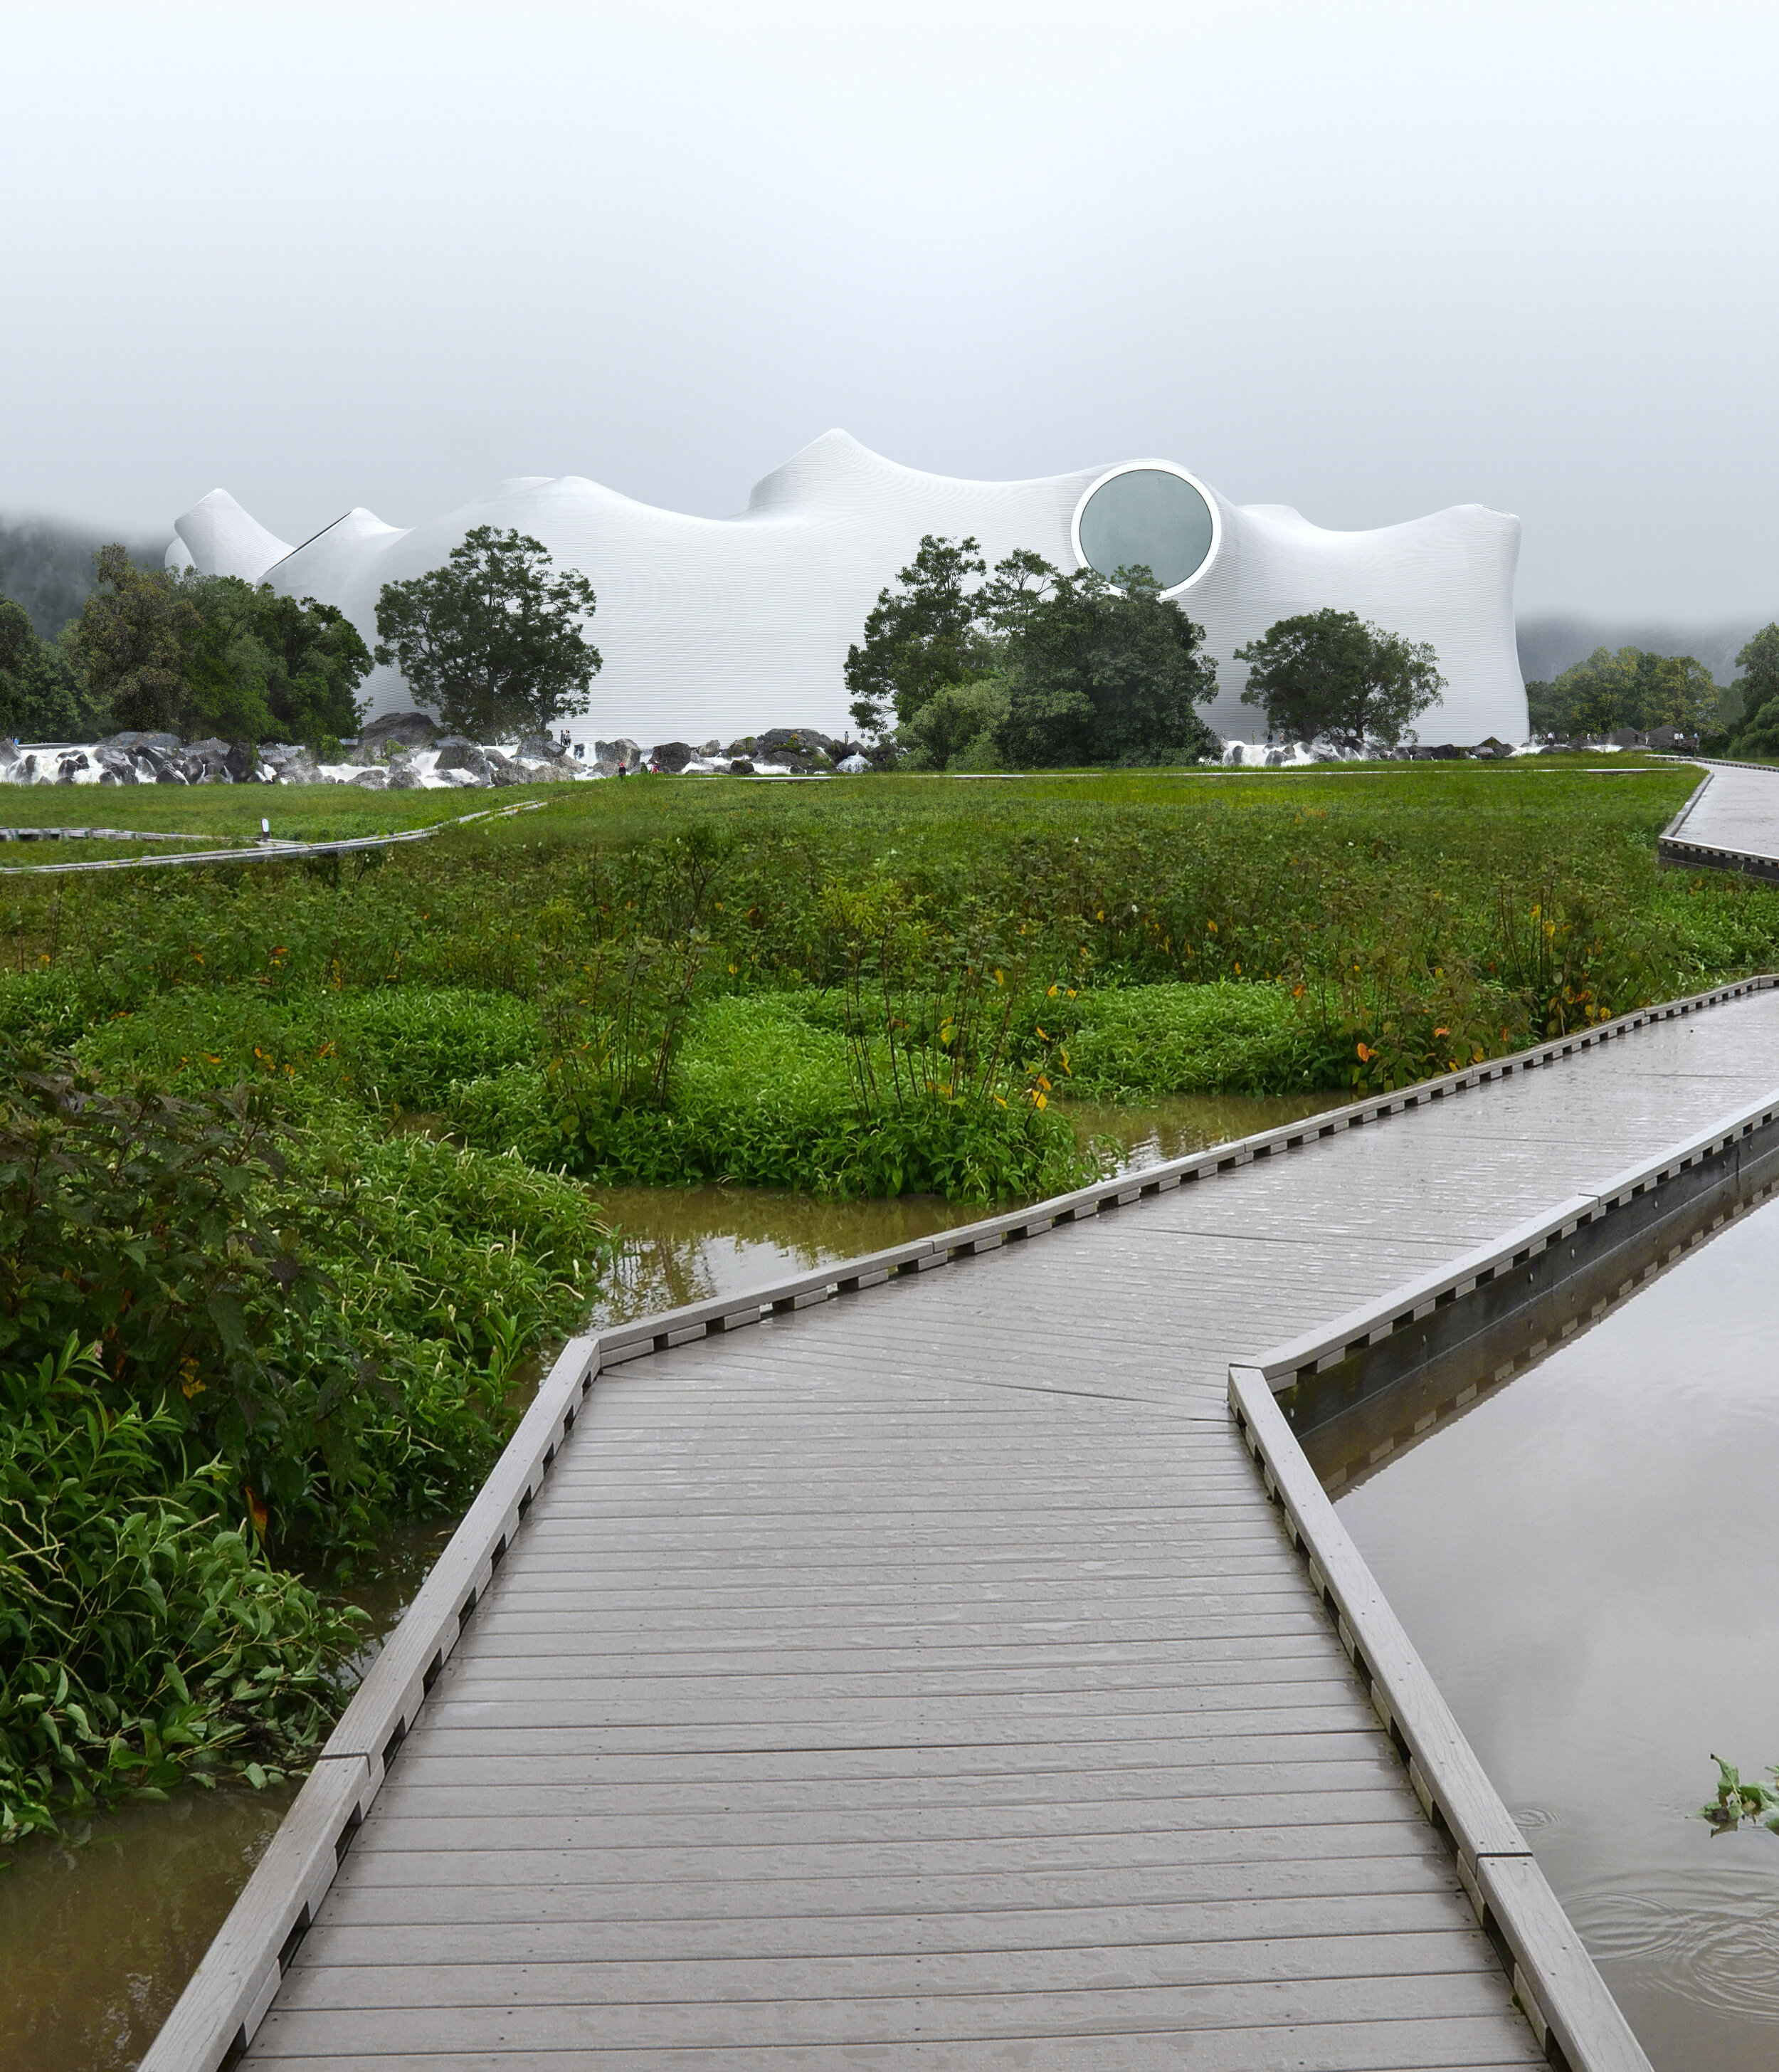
<point x="791" y="751"/>
<point x="408" y="752"/>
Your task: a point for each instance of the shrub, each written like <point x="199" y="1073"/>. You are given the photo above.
<point x="1132" y="1043"/>
<point x="142" y="1633"/>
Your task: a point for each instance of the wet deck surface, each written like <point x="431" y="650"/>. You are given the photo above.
<point x="924" y="1678"/>
<point x="1739" y="810"/>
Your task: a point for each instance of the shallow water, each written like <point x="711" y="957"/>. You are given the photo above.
<point x="99" y="1934"/>
<point x="1586" y="1561"/>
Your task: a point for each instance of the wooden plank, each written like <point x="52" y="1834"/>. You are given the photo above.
<point x="1088" y="2015"/>
<point x="1440" y="2044"/>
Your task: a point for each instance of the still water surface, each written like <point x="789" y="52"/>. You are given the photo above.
<point x="1587" y="1562"/>
<point x="99" y="1933"/>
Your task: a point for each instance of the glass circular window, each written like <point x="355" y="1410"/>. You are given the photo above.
<point x="1147" y="516"/>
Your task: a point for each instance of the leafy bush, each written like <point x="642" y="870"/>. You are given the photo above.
<point x="142" y="1633"/>
<point x="338" y="1315"/>
<point x="1132" y="1043"/>
<point x="767" y="1092"/>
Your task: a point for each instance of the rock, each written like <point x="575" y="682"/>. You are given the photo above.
<point x="412" y="729"/>
<point x="672" y="756"/>
<point x="853" y="765"/>
<point x="712" y="748"/>
<point x="608" y="755"/>
<point x="376" y="778"/>
<point x="242" y="762"/>
<point x="741" y="767"/>
<point x="404" y="776"/>
<point x="456" y="751"/>
<point x="69" y="765"/>
<point x="117" y="764"/>
<point x="786" y="743"/>
<point x="138" y="741"/>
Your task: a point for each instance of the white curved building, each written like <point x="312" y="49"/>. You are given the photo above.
<point x="723" y="626"/>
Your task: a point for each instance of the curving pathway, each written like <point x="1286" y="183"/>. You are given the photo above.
<point x="925" y="1680"/>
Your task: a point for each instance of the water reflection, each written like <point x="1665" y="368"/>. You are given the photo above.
<point x="687" y="1245"/>
<point x="1585" y="1561"/>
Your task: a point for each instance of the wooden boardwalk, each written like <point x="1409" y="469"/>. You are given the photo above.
<point x="925" y="1680"/>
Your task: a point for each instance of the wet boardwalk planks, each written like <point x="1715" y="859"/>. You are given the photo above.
<point x="924" y="1679"/>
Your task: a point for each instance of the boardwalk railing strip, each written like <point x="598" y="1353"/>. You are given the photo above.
<point x="269" y="851"/>
<point x="222" y="2005"/>
<point x="1555" y="1981"/>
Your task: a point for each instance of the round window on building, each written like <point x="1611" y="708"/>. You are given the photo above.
<point x="1147" y="517"/>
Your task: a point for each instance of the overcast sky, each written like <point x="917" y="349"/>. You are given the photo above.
<point x="1366" y="260"/>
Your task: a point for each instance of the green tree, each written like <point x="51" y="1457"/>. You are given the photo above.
<point x="41" y="690"/>
<point x="129" y="642"/>
<point x="1758" y="688"/>
<point x="1330" y="675"/>
<point x="1627" y="687"/>
<point x="1099" y="670"/>
<point x="259" y="665"/>
<point x="1680" y="691"/>
<point x="920" y="638"/>
<point x="493" y="640"/>
<point x="959" y="723"/>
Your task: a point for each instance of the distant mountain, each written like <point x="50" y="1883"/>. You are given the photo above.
<point x="1551" y="643"/>
<point x="46" y="566"/>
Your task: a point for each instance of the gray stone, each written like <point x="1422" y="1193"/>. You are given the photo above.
<point x="242" y="763"/>
<point x="138" y="741"/>
<point x="412" y="729"/>
<point x="376" y="778"/>
<point x="404" y="777"/>
<point x="456" y="752"/>
<point x="741" y="767"/>
<point x="672" y="756"/>
<point x="782" y="744"/>
<point x="608" y="755"/>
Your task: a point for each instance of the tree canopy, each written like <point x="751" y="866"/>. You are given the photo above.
<point x="213" y="654"/>
<point x="1757" y="684"/>
<point x="1626" y="687"/>
<point x="260" y="666"/>
<point x="919" y="638"/>
<point x="1330" y="675"/>
<point x="1100" y="671"/>
<point x="493" y="640"/>
<point x="41" y="694"/>
<point x="1028" y="665"/>
<point x="129" y="642"/>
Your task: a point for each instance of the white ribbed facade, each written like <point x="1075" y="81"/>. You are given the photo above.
<point x="723" y="626"/>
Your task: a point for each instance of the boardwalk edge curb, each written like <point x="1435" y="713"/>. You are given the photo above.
<point x="1555" y="1981"/>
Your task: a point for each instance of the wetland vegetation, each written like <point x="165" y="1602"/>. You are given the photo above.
<point x="303" y="1163"/>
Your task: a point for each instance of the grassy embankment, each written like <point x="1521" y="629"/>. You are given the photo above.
<point x="305" y="1150"/>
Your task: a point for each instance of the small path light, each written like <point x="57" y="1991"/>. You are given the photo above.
<point x="265" y="825"/>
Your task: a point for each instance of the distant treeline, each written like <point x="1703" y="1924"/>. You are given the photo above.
<point x="1633" y="687"/>
<point x="47" y="567"/>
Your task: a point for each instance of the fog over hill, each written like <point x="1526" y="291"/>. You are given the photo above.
<point x="1553" y="642"/>
<point x="46" y="565"/>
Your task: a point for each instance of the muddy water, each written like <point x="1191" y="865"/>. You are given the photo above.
<point x="1587" y="1561"/>
<point x="99" y="1933"/>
